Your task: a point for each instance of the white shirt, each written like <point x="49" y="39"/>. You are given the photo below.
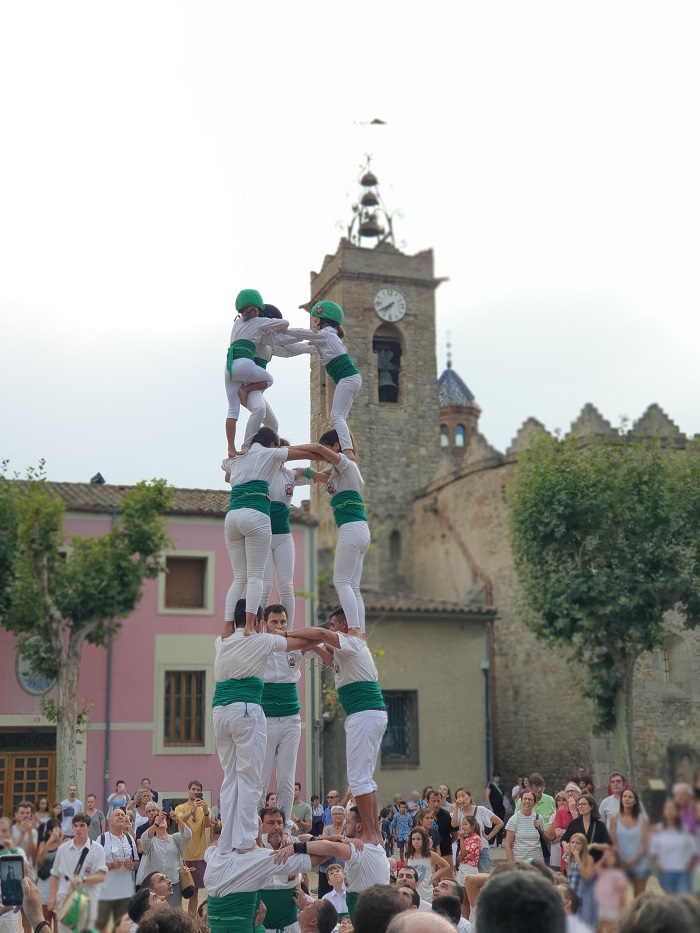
<point x="610" y="806"/>
<point x="527" y="838"/>
<point x="366" y="867"/>
<point x="259" y="463"/>
<point x="345" y="475"/>
<point x="464" y="926"/>
<point x="337" y="900"/>
<point x="327" y="340"/>
<point x="240" y="655"/>
<point x="352" y="662"/>
<point x="67" y="857"/>
<point x="231" y="873"/>
<point x="672" y="848"/>
<point x="70" y="809"/>
<point x="283" y="668"/>
<point x="120" y="881"/>
<point x="280" y="881"/>
<point x="254" y="328"/>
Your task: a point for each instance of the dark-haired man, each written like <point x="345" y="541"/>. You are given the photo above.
<point x="93" y="869"/>
<point x="239" y="721"/>
<point x="280" y="703"/>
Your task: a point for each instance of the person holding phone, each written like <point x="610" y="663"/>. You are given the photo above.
<point x="196" y="815"/>
<point x="45" y="857"/>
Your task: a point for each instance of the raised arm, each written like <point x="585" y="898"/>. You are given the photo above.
<point x="325" y="654"/>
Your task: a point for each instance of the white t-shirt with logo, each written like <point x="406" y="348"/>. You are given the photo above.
<point x="283" y="668"/>
<point x="233" y="872"/>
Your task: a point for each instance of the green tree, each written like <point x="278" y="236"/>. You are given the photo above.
<point x="58" y="591"/>
<point x="606" y="539"/>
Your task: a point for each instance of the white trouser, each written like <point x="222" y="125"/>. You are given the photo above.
<point x="243" y="371"/>
<point x="363" y="739"/>
<point x="248" y="537"/>
<point x="281" y="560"/>
<point x="353" y="544"/>
<point x="283" y="734"/>
<point x="240" y="733"/>
<point x="261" y="415"/>
<point x="343" y="397"/>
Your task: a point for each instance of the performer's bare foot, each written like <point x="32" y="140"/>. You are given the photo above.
<point x="251" y="624"/>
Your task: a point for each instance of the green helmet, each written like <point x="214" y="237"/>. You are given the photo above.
<point x="249" y="296"/>
<point x="328" y="310"/>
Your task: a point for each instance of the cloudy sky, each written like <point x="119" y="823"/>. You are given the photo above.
<point x="158" y="156"/>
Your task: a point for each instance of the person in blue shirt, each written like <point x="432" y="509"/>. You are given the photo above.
<point x="401" y="826"/>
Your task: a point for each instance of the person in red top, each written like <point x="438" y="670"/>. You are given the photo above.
<point x="563" y="817"/>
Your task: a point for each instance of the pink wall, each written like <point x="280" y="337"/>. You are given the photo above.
<point x="133" y="673"/>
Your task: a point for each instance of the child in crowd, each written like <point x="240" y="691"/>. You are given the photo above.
<point x="610" y="891"/>
<point x="469" y="849"/>
<point x="401" y="826"/>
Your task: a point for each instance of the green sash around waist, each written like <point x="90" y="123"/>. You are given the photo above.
<point x="245" y="690"/>
<point x="281" y="909"/>
<point x="259" y="361"/>
<point x="362" y="695"/>
<point x="348" y="507"/>
<point x="280" y="700"/>
<point x="340" y="367"/>
<point x="279" y="518"/>
<point x="238" y="350"/>
<point x="232" y="912"/>
<point x="255" y="494"/>
<point x="351" y="900"/>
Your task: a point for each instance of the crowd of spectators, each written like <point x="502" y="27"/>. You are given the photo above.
<point x="573" y="861"/>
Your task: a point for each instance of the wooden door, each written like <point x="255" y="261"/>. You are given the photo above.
<point x="26" y="776"/>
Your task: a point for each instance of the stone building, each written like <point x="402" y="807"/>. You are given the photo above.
<point x="439" y="582"/>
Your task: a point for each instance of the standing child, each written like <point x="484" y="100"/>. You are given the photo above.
<point x="429" y="865"/>
<point x="327" y="335"/>
<point x="580" y="870"/>
<point x="610" y="891"/>
<point x="385" y="826"/>
<point x="240" y="359"/>
<point x="401" y="826"/>
<point x="469" y="849"/>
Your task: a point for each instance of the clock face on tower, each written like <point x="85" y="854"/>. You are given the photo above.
<point x="389" y="304"/>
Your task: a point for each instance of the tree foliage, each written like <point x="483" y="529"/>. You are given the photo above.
<point x="606" y="539"/>
<point x="58" y="591"/>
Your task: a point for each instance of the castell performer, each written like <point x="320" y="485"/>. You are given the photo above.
<point x="327" y="335"/>
<point x="280" y="703"/>
<point x="359" y="693"/>
<point x="242" y="375"/>
<point x="247" y="525"/>
<point x="344" y="483"/>
<point x="240" y="728"/>
<point x="271" y="343"/>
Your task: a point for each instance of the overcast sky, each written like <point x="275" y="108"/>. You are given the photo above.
<point x="156" y="157"/>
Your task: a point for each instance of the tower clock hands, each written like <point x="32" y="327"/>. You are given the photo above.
<point x="387" y="306"/>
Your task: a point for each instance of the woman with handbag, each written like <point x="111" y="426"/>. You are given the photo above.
<point x="165" y="853"/>
<point x="45" y="857"/>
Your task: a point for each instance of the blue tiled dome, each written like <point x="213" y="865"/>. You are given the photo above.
<point x="451" y="389"/>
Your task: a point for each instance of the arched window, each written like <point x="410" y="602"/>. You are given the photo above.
<point x="387" y="345"/>
<point x="460" y="436"/>
<point x="444" y="436"/>
<point x="395" y="547"/>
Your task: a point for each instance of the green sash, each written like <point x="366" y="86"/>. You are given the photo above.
<point x="280" y="700"/>
<point x="232" y="912"/>
<point x="279" y="518"/>
<point x="348" y="507"/>
<point x="340" y="367"/>
<point x="259" y="361"/>
<point x="362" y="695"/>
<point x="255" y="494"/>
<point x="281" y="909"/>
<point x="238" y="350"/>
<point x="351" y="900"/>
<point x="245" y="690"/>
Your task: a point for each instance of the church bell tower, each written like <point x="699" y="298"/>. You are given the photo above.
<point x="389" y="302"/>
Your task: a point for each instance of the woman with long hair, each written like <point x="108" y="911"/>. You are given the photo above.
<point x="344" y="484"/>
<point x="429" y="865"/>
<point x="672" y="851"/>
<point x="465" y="806"/>
<point x="629" y="830"/>
<point x="42" y="811"/>
<point x="589" y="823"/>
<point x="580" y="870"/>
<point x="45" y="856"/>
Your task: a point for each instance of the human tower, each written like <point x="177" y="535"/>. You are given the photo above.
<point x="256" y="704"/>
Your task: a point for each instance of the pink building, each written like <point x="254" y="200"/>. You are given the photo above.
<point x="150" y="691"/>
